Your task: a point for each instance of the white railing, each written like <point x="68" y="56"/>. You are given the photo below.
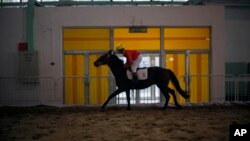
<point x="28" y="91"/>
<point x="220" y="88"/>
<point x="238" y="88"/>
<point x="97" y="88"/>
<point x="88" y="90"/>
<point x="149" y="95"/>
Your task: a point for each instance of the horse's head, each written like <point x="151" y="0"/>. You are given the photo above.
<point x="104" y="59"/>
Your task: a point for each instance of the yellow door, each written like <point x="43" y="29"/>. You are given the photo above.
<point x="193" y="39"/>
<point x="74" y="81"/>
<point x="199" y="84"/>
<point x="84" y="83"/>
<point x="99" y="82"/>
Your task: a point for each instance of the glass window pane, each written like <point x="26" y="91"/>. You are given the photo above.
<point x="142" y="0"/>
<point x="81" y="0"/>
<point x="11" y="1"/>
<point x="122" y="0"/>
<point x="101" y="0"/>
<point x="163" y="0"/>
<point x="180" y="0"/>
<point x="49" y="0"/>
<point x="172" y="0"/>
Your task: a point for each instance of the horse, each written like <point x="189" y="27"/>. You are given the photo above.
<point x="156" y="76"/>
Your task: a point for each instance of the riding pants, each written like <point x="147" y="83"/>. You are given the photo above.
<point x="135" y="64"/>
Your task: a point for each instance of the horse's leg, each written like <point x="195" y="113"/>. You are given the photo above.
<point x="128" y="98"/>
<point x="110" y="97"/>
<point x="164" y="90"/>
<point x="172" y="92"/>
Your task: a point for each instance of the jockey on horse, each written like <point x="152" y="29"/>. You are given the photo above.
<point x="156" y="76"/>
<point x="133" y="60"/>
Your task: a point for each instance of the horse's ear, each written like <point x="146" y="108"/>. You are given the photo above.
<point x="111" y="52"/>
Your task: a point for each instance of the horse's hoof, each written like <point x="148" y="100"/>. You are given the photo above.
<point x="102" y="109"/>
<point x="187" y="97"/>
<point x="163" y="108"/>
<point x="178" y="107"/>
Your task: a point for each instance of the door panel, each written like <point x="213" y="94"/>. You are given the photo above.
<point x="176" y="62"/>
<point x="182" y="38"/>
<point x="199" y="84"/>
<point x="76" y="81"/>
<point x="99" y="82"/>
<point x="83" y="82"/>
<point x="74" y="90"/>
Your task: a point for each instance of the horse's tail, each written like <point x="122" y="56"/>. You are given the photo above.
<point x="176" y="83"/>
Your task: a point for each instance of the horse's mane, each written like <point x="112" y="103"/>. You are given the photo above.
<point x="117" y="61"/>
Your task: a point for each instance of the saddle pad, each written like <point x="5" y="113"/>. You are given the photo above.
<point x="142" y="74"/>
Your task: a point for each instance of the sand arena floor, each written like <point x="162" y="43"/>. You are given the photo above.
<point x="144" y="123"/>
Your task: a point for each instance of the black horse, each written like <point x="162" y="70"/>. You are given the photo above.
<point x="156" y="75"/>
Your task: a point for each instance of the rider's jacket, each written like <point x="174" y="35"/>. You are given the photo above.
<point x="131" y="56"/>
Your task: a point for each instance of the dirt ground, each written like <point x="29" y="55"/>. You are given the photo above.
<point x="144" y="123"/>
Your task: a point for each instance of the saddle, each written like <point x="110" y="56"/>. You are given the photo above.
<point x="142" y="73"/>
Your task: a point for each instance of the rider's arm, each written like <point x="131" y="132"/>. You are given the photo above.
<point x="128" y="55"/>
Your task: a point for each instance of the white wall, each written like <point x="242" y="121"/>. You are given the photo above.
<point x="12" y="31"/>
<point x="237" y="33"/>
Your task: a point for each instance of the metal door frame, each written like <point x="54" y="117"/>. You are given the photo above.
<point x="86" y="75"/>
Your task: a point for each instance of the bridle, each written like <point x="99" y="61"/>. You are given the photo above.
<point x="105" y="60"/>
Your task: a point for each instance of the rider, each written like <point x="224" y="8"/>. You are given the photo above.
<point x="133" y="59"/>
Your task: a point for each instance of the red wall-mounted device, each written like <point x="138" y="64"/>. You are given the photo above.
<point x="22" y="46"/>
